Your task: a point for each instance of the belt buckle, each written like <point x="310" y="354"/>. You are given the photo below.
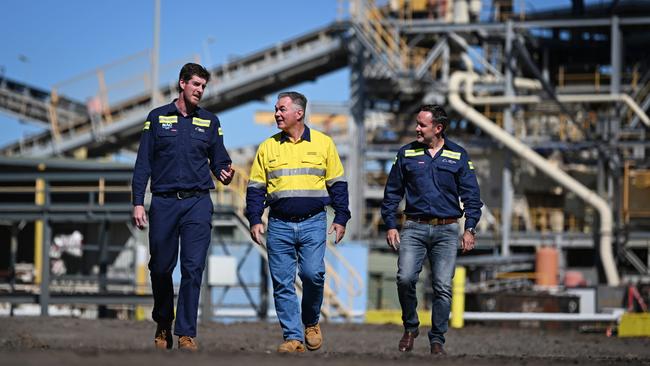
<point x="434" y="221"/>
<point x="178" y="195"/>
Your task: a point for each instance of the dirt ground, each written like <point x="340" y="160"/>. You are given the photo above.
<point x="67" y="341"/>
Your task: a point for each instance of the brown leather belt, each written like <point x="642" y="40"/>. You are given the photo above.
<point x="431" y="221"/>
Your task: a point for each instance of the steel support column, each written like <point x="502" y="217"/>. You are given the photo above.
<point x="357" y="138"/>
<point x="506" y="184"/>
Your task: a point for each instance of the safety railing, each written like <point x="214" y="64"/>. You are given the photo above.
<point x="345" y="280"/>
<point x="385" y="42"/>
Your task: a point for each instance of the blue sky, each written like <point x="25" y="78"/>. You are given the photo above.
<point x="47" y="42"/>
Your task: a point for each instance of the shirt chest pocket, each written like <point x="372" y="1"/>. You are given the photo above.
<point x="313" y="161"/>
<point x="274" y="169"/>
<point x="416" y="170"/>
<point x="200" y="139"/>
<point x="446" y="176"/>
<point x="166" y="140"/>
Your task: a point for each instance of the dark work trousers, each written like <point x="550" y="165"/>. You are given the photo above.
<point x="190" y="220"/>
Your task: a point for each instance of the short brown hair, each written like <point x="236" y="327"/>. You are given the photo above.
<point x="190" y="69"/>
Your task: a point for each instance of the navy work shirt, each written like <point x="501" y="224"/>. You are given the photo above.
<point x="432" y="184"/>
<point x="178" y="152"/>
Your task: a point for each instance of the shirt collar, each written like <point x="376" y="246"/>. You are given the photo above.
<point x="306" y="135"/>
<point x="172" y="109"/>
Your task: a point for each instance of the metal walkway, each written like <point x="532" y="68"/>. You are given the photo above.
<point x="243" y="80"/>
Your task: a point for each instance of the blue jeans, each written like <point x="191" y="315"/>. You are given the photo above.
<point x="300" y="244"/>
<point x="439" y="244"/>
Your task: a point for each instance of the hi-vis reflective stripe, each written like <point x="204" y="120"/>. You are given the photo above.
<point x="450" y="154"/>
<point x="297" y="171"/>
<point x="146" y="125"/>
<point x="471" y="165"/>
<point x="258" y="185"/>
<point x="298" y="193"/>
<point x="331" y="182"/>
<point x="201" y="122"/>
<point x="220" y="132"/>
<point x="167" y="119"/>
<point x="395" y="161"/>
<point x="416" y="152"/>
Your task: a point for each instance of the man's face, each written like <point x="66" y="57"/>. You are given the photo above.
<point x="426" y="130"/>
<point x="286" y="114"/>
<point x="193" y="89"/>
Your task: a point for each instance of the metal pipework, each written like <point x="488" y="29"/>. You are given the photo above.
<point x="532" y="99"/>
<point x="526" y="153"/>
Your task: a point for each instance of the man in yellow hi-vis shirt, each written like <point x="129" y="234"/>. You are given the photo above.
<point x="297" y="172"/>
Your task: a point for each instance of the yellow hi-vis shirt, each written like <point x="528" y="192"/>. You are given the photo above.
<point x="294" y="176"/>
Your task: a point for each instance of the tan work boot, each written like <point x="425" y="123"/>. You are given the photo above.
<point x="291" y="346"/>
<point x="313" y="337"/>
<point x="187" y="343"/>
<point x="163" y="337"/>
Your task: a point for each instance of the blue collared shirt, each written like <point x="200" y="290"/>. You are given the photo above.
<point x="432" y="184"/>
<point x="178" y="152"/>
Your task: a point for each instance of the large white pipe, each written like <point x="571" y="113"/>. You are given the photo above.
<point x="544" y="166"/>
<point x="532" y="99"/>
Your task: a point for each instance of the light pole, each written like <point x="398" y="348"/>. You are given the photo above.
<point x="155" y="55"/>
<point x="207" y="60"/>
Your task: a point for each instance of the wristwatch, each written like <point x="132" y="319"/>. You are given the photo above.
<point x="471" y="231"/>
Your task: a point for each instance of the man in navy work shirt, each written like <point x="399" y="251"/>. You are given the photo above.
<point x="433" y="172"/>
<point x="297" y="172"/>
<point x="180" y="144"/>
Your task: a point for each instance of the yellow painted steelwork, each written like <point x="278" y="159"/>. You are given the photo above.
<point x="39" y="199"/>
<point x="458" y="298"/>
<point x="634" y="325"/>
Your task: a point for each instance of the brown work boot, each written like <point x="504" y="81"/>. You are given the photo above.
<point x="187" y="343"/>
<point x="406" y="343"/>
<point x="163" y="337"/>
<point x="291" y="346"/>
<point x="313" y="337"/>
<point x="437" y="349"/>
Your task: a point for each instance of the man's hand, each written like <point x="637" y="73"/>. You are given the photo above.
<point x="340" y="232"/>
<point x="225" y="176"/>
<point x="467" y="242"/>
<point x="139" y="216"/>
<point x="392" y="238"/>
<point x="257" y="231"/>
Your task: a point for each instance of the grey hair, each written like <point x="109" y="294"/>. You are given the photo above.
<point x="297" y="99"/>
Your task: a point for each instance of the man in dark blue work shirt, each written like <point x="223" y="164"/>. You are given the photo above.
<point x="180" y="144"/>
<point x="433" y="172"/>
